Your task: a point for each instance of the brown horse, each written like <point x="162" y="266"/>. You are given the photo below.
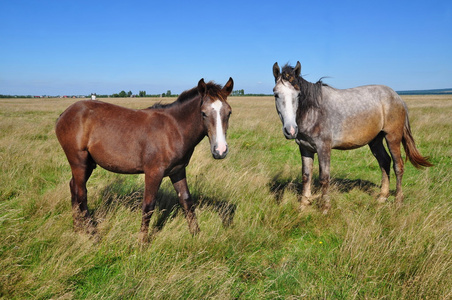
<point x="158" y="141"/>
<point x="321" y="118"/>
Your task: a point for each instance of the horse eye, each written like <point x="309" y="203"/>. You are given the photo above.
<point x="204" y="115"/>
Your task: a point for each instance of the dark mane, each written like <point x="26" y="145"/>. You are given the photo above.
<point x="310" y="93"/>
<point x="213" y="90"/>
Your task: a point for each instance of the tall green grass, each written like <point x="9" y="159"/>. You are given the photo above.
<point x="272" y="250"/>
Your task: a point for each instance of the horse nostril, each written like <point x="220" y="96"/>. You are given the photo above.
<point x="226" y="150"/>
<point x="290" y="130"/>
<point x="222" y="148"/>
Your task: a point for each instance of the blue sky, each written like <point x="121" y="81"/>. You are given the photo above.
<point x="78" y="47"/>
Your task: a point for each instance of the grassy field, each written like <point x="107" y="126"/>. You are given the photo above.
<point x="272" y="250"/>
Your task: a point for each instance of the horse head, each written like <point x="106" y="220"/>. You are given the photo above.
<point x="215" y="113"/>
<point x="287" y="94"/>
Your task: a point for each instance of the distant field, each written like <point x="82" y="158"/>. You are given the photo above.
<point x="272" y="250"/>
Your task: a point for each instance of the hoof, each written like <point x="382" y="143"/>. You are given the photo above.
<point x="382" y="200"/>
<point x="325" y="211"/>
<point x="305" y="203"/>
<point x="194" y="228"/>
<point x="399" y="203"/>
<point x="324" y="204"/>
<point x="85" y="225"/>
<point x="143" y="238"/>
<point x="326" y="207"/>
<point x="399" y="199"/>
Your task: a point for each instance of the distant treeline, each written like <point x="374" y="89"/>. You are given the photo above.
<point x="124" y="94"/>
<point x="239" y="93"/>
<point x="427" y="92"/>
<point x="121" y="94"/>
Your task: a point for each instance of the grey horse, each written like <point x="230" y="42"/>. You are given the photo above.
<point x="320" y="118"/>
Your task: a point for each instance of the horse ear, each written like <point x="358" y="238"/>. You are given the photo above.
<point x="227" y="89"/>
<point x="297" y="69"/>
<point x="202" y="87"/>
<point x="276" y="70"/>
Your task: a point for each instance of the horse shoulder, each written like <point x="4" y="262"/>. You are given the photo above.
<point x="163" y="134"/>
<point x="159" y="122"/>
<point x="165" y="143"/>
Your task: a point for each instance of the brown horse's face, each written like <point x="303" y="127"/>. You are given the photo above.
<point x="215" y="115"/>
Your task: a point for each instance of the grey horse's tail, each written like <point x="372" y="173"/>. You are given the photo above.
<point x="412" y="152"/>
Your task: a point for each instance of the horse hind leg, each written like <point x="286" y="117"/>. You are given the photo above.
<point x="393" y="141"/>
<point x="384" y="161"/>
<point x="324" y="155"/>
<point x="82" y="168"/>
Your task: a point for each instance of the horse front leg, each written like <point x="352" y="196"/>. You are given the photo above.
<point x="179" y="181"/>
<point x="324" y="154"/>
<point x="307" y="162"/>
<point x="152" y="183"/>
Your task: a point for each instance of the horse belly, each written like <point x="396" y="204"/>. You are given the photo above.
<point x="116" y="151"/>
<point x="357" y="133"/>
<point x="116" y="159"/>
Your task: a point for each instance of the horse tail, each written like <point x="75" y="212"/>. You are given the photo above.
<point x="411" y="151"/>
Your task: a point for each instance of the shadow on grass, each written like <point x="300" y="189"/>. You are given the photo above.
<point x="278" y="185"/>
<point x="120" y="193"/>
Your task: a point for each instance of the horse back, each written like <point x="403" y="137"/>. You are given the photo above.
<point x="356" y="116"/>
<point x="118" y="139"/>
<point x="83" y="119"/>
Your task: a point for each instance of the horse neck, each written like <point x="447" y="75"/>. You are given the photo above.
<point x="311" y="94"/>
<point x="310" y="110"/>
<point x="188" y="116"/>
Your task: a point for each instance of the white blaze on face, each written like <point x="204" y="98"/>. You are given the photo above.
<point x="220" y="137"/>
<point x="287" y="105"/>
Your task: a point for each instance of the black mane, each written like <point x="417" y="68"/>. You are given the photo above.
<point x="213" y="90"/>
<point x="310" y="93"/>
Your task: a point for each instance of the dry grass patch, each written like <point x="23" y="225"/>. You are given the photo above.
<point x="361" y="250"/>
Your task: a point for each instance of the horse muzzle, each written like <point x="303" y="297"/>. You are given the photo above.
<point x="219" y="152"/>
<point x="290" y="131"/>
